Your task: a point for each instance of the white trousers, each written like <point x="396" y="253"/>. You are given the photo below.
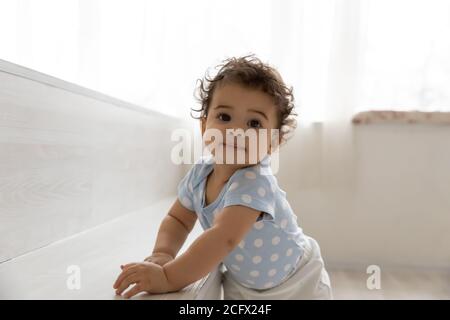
<point x="309" y="282"/>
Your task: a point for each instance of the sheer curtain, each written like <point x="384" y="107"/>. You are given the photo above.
<point x="146" y="52"/>
<point x="340" y="56"/>
<point x="151" y="52"/>
<point x="323" y="150"/>
<point x="407" y="55"/>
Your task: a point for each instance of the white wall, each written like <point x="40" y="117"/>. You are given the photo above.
<point x="396" y="211"/>
<point x="71" y="158"/>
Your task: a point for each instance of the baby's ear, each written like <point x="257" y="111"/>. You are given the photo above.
<point x="275" y="142"/>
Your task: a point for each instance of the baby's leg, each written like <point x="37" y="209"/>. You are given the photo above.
<point x="309" y="282"/>
<point x="323" y="290"/>
<point x="231" y="289"/>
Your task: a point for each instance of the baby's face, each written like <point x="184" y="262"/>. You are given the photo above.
<point x="236" y="109"/>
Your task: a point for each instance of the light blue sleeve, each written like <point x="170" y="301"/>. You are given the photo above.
<point x="253" y="190"/>
<point x="185" y="190"/>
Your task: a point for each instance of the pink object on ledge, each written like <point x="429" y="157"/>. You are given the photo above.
<point x="389" y="116"/>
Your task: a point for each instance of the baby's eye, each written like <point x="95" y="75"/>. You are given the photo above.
<point x="254" y="123"/>
<point x="223" y="117"/>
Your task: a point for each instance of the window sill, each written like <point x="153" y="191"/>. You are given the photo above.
<point x="401" y="117"/>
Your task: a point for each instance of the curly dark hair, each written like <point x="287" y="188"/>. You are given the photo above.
<point x="250" y="72"/>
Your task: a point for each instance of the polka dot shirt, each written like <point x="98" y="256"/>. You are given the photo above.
<point x="270" y="251"/>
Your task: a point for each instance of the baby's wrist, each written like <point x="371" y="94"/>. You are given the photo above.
<point x="171" y="286"/>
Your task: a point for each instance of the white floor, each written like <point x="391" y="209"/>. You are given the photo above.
<point x="395" y="284"/>
<point x="98" y="252"/>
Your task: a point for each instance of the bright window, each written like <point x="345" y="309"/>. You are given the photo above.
<point x="407" y="56"/>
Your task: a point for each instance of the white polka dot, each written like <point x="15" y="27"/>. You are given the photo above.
<point x="235" y="267"/>
<point x="258" y="243"/>
<point x="289" y="252"/>
<point x="268" y="285"/>
<point x="272" y="272"/>
<point x="257" y="259"/>
<point x="242" y="244"/>
<point x="186" y="202"/>
<point x="191" y="189"/>
<point x="274" y="257"/>
<point x="246" y="198"/>
<point x="283" y="223"/>
<point x="270" y="208"/>
<point x="287" y="267"/>
<point x="258" y="225"/>
<point x="250" y="281"/>
<point x="261" y="191"/>
<point x="275" y="240"/>
<point x="250" y="175"/>
<point x="254" y="273"/>
<point x="233" y="186"/>
<point x="239" y="257"/>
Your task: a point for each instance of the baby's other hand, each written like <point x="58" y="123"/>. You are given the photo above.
<point x="145" y="276"/>
<point x="159" y="258"/>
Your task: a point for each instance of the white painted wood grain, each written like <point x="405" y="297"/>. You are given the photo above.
<point x="98" y="252"/>
<point x="71" y="159"/>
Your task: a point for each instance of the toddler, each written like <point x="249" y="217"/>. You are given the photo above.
<point x="249" y="226"/>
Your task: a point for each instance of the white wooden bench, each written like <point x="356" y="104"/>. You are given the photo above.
<point x="85" y="180"/>
<point x="95" y="256"/>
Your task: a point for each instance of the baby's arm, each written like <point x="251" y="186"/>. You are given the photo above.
<point x="210" y="248"/>
<point x="172" y="233"/>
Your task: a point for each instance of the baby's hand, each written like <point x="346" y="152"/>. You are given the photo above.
<point x="146" y="276"/>
<point x="159" y="258"/>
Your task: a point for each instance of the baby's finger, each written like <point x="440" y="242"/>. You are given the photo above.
<point x="132" y="278"/>
<point x="126" y="266"/>
<point x="133" y="291"/>
<point x="121" y="277"/>
<point x="124" y="274"/>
